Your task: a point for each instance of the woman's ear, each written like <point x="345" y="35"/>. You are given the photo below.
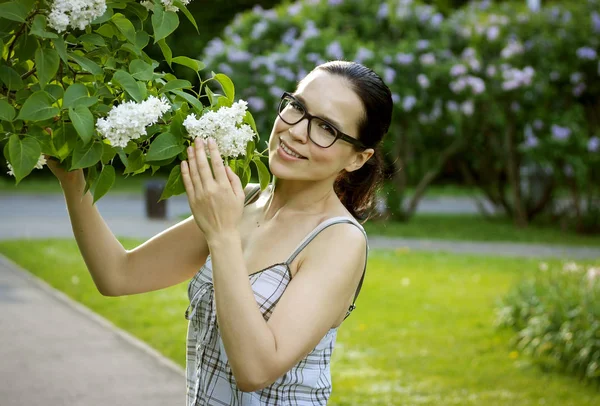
<point x="360" y="159"/>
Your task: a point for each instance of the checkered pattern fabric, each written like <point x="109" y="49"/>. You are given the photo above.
<point x="209" y="377"/>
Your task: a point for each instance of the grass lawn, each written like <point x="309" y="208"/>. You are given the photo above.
<point x="477" y="228"/>
<point x="422" y="332"/>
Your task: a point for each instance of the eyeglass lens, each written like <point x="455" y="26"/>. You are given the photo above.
<point x="320" y="132"/>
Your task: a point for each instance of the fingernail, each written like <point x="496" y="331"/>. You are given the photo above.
<point x="211" y="141"/>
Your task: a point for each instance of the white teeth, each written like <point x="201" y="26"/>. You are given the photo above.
<point x="290" y="152"/>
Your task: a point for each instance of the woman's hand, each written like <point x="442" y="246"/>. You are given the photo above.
<point x="67" y="179"/>
<point x="217" y="202"/>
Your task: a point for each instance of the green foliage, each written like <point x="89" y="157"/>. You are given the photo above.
<point x="473" y="88"/>
<point x="556" y="316"/>
<point x="55" y="85"/>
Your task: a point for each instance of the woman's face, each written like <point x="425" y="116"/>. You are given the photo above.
<point x="331" y="98"/>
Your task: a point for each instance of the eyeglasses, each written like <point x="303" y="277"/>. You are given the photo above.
<point x="324" y="134"/>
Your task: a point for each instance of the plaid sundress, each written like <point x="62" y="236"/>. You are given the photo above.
<point x="209" y="377"/>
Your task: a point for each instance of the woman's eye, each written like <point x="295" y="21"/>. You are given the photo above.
<point x="328" y="128"/>
<point x="296" y="106"/>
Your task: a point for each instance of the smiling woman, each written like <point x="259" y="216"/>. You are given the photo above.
<point x="273" y="273"/>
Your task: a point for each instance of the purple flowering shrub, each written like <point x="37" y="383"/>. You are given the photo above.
<point x="508" y="96"/>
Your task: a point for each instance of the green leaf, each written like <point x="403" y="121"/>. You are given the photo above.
<point x="77" y="95"/>
<point x="167" y="53"/>
<point x="193" y="64"/>
<point x="163" y="22"/>
<point x="83" y="121"/>
<point x="7" y="112"/>
<point x="140" y="11"/>
<point x="86" y="155"/>
<point x="105" y="181"/>
<point x="176" y="127"/>
<point x="46" y="62"/>
<point x="107" y="30"/>
<point x="135" y="162"/>
<point x="13" y="10"/>
<point x="24" y="155"/>
<point x="108" y="153"/>
<point x="38" y="107"/>
<point x="10" y="78"/>
<point x="249" y="153"/>
<point x="248" y="119"/>
<point x="128" y="83"/>
<point x="187" y="13"/>
<point x="190" y="99"/>
<point x="165" y="146"/>
<point x="264" y="177"/>
<point x="141" y="39"/>
<point x="93" y="39"/>
<point x="174" y="184"/>
<point x="211" y="96"/>
<point x="38" y="27"/>
<point x="90" y="178"/>
<point x="26" y="47"/>
<point x="55" y="91"/>
<point x="64" y="139"/>
<point x="124" y="26"/>
<point x="175" y="84"/>
<point x="141" y="70"/>
<point x="226" y="84"/>
<point x="61" y="48"/>
<point x="86" y="64"/>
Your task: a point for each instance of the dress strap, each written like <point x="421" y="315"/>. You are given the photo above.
<point x="317" y="230"/>
<point x="251" y="194"/>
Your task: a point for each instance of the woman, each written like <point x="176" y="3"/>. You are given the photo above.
<point x="266" y="303"/>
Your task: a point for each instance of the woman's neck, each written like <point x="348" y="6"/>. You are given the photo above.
<point x="295" y="198"/>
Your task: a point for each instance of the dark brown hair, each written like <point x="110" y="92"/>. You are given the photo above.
<point x="357" y="189"/>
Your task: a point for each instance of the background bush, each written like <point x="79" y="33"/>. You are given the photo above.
<point x="506" y="98"/>
<point x="556" y="316"/>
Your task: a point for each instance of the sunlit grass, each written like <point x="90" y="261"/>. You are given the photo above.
<point x="422" y="332"/>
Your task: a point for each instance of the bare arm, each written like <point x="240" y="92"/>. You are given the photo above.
<point x="168" y="258"/>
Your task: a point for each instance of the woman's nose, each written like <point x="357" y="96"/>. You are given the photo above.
<point x="299" y="131"/>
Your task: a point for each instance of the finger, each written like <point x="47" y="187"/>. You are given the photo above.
<point x="202" y="163"/>
<point x="236" y="183"/>
<point x="217" y="161"/>
<point x="192" y="170"/>
<point x="187" y="178"/>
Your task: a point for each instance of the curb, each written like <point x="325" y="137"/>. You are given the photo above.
<point x="136" y="342"/>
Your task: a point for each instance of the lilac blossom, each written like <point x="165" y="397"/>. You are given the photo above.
<point x="256" y="103"/>
<point x="515" y="106"/>
<point x="275" y="91"/>
<point x="396" y="98"/>
<point x="513" y="48"/>
<point x="387" y="59"/>
<point x="476" y="84"/>
<point x="452" y="106"/>
<point x="289" y="36"/>
<point x="587" y="53"/>
<point x="335" y="2"/>
<point x="334" y="50"/>
<point x="286" y="73"/>
<point x="436" y="20"/>
<point x="383" y="11"/>
<point x="458" y="70"/>
<point x="596" y="22"/>
<point x="422" y="44"/>
<point x="576" y="77"/>
<point x="491" y="71"/>
<point x="593" y="144"/>
<point x="579" y="89"/>
<point x="468" y="108"/>
<point x="363" y="54"/>
<point x="259" y="29"/>
<point x="269" y="79"/>
<point x="310" y="30"/>
<point x="404" y="59"/>
<point x="238" y="55"/>
<point x="409" y="102"/>
<point x="389" y="75"/>
<point x="294" y="9"/>
<point x="427" y="59"/>
<point x="538" y="124"/>
<point x="493" y="33"/>
<point x="423" y="81"/>
<point x="515" y="78"/>
<point x="560" y="133"/>
<point x="226" y="69"/>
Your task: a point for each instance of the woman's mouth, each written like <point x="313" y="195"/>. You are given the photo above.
<point x="287" y="153"/>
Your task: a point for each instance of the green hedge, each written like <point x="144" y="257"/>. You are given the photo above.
<point x="556" y="316"/>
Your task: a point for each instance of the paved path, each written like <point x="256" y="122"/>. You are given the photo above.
<point x="46" y="216"/>
<point x="56" y="352"/>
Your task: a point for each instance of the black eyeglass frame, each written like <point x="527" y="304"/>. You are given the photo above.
<point x="339" y="134"/>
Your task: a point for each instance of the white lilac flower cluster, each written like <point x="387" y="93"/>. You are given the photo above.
<point x="476" y="84"/>
<point x="169" y="6"/>
<point x="74" y="13"/>
<point x="39" y="165"/>
<point x="225" y="127"/>
<point x="128" y="121"/>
